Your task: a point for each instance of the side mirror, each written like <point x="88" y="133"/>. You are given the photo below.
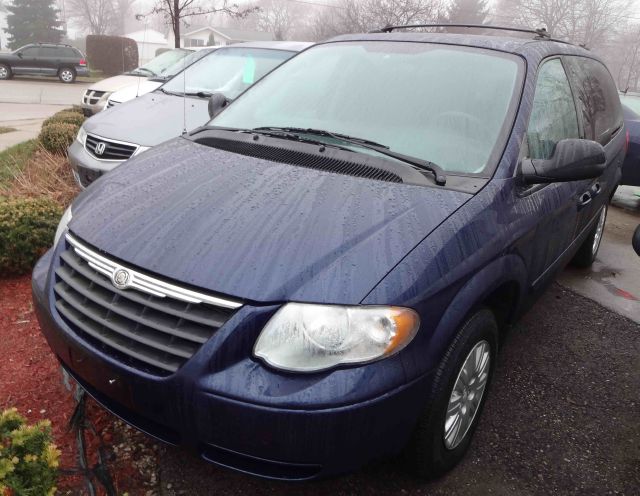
<point x="217" y="102"/>
<point x="19" y="54"/>
<point x="572" y="160"/>
<point x="636" y="240"/>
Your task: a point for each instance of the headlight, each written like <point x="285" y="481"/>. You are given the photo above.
<point x="82" y="136"/>
<point x="306" y="338"/>
<point x="141" y="149"/>
<point x="62" y="226"/>
<point x="106" y="95"/>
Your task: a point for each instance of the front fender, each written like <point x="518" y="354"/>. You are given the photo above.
<point x="507" y="269"/>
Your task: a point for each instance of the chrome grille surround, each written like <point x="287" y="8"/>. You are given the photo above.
<point x="114" y="150"/>
<point x="151" y="325"/>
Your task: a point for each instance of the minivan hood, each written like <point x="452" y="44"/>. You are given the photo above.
<point x="254" y="229"/>
<point x="150" y="119"/>
<point x="115" y="83"/>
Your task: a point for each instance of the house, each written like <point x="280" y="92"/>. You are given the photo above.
<point x="3" y="25"/>
<point x="194" y="36"/>
<point x="148" y="40"/>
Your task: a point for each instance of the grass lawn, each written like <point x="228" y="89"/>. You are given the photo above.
<point x="14" y="159"/>
<point x="4" y="129"/>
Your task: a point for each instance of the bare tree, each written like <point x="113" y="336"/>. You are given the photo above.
<point x="122" y="10"/>
<point x="277" y="17"/>
<point x="174" y="11"/>
<point x="588" y="22"/>
<point x="98" y="15"/>
<point x="357" y="16"/>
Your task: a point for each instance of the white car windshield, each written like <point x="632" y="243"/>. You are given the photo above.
<point x="158" y="65"/>
<point x="227" y="70"/>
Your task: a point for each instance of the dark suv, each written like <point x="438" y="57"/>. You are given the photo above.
<point x="321" y="275"/>
<point x="44" y="59"/>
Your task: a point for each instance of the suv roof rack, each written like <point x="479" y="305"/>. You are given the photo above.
<point x="541" y="33"/>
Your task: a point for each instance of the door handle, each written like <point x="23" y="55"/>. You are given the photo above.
<point x="596" y="189"/>
<point x="585" y="199"/>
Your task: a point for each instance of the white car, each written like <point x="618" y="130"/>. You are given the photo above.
<point x="95" y="97"/>
<point x="144" y="86"/>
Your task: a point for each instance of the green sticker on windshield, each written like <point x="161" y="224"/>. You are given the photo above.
<point x="249" y="73"/>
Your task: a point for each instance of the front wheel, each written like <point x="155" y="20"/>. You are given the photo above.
<point x="67" y="75"/>
<point x="586" y="254"/>
<point x="444" y="431"/>
<point x="5" y="71"/>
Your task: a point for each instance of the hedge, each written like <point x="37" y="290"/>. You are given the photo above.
<point x="27" y="229"/>
<point x="56" y="137"/>
<point x="66" y="116"/>
<point x="28" y="458"/>
<point x="112" y="54"/>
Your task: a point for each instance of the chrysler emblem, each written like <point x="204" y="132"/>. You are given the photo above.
<point x="121" y="278"/>
<point x="100" y="147"/>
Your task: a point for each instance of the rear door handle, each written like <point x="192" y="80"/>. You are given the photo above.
<point x="595" y="189"/>
<point x="585" y="199"/>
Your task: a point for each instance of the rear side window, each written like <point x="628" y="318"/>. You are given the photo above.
<point x="598" y="100"/>
<point x="70" y="52"/>
<point x="50" y="52"/>
<point x="553" y="116"/>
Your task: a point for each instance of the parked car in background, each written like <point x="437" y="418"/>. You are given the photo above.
<point x="321" y="275"/>
<point x="144" y="86"/>
<point x="631" y="108"/>
<point x="44" y="59"/>
<point x="111" y="137"/>
<point x="95" y="97"/>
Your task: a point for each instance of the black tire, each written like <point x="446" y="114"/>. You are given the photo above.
<point x="586" y="254"/>
<point x="5" y="72"/>
<point x="426" y="453"/>
<point x="67" y="75"/>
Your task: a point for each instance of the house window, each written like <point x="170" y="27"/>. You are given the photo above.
<point x="193" y="42"/>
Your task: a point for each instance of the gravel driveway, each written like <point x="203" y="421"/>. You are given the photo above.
<point x="562" y="418"/>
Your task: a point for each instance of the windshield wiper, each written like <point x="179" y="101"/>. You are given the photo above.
<point x="199" y="94"/>
<point x="167" y="92"/>
<point x="143" y="69"/>
<point x="436" y="170"/>
<point x="281" y="133"/>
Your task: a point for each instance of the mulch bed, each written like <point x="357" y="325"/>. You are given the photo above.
<point x="30" y="381"/>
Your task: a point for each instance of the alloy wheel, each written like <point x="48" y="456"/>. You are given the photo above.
<point x="66" y="75"/>
<point x="467" y="394"/>
<point x="599" y="231"/>
<point x="4" y="73"/>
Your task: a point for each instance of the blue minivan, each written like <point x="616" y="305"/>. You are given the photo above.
<point x="321" y="275"/>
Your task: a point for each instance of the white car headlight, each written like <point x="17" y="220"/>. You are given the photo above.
<point x="62" y="226"/>
<point x="141" y="149"/>
<point x="82" y="136"/>
<point x="307" y="338"/>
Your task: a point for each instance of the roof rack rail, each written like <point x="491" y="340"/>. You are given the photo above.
<point x="541" y="33"/>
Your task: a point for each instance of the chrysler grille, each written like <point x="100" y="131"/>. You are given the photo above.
<point x="113" y="150"/>
<point x="136" y="326"/>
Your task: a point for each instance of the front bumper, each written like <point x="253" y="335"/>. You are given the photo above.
<point x="235" y="412"/>
<point x="87" y="168"/>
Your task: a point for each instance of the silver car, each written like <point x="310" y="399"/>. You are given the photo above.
<point x="111" y="137"/>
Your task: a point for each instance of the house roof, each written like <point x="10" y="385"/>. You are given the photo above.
<point x="231" y="34"/>
<point x="148" y="36"/>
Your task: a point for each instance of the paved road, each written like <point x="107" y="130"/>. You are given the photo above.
<point x="25" y="118"/>
<point x="614" y="279"/>
<point x="41" y="90"/>
<point x="562" y="418"/>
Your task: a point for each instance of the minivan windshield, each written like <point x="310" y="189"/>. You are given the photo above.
<point x="227" y="70"/>
<point x="441" y="103"/>
<point x="158" y="65"/>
